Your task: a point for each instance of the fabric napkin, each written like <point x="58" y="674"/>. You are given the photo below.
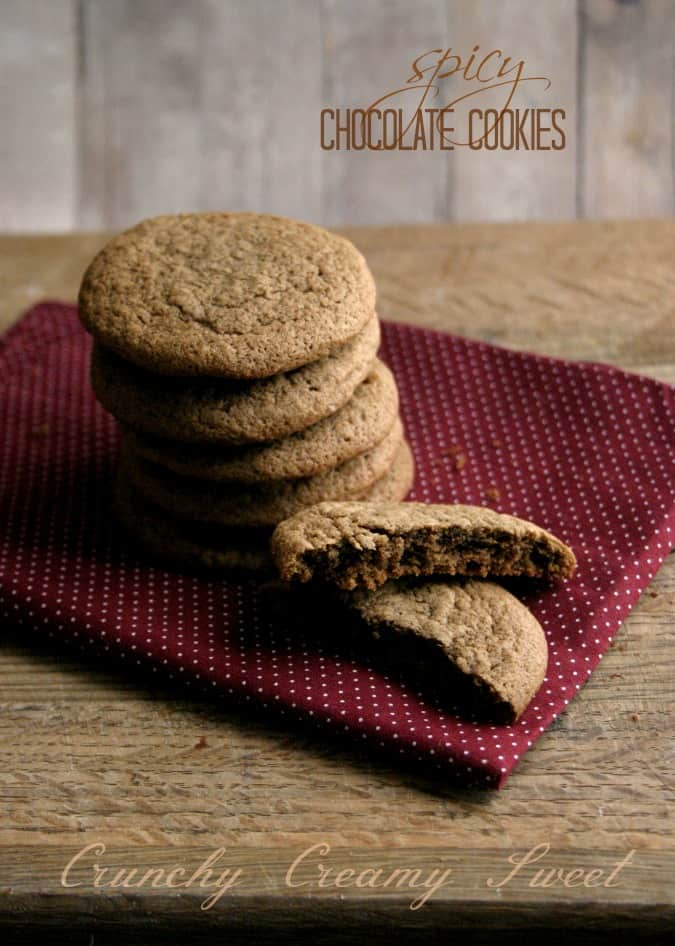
<point x="581" y="449"/>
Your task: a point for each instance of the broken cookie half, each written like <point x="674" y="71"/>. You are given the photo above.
<point x="466" y="642"/>
<point x="363" y="545"/>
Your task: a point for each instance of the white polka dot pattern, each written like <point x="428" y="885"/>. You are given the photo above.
<point x="583" y="450"/>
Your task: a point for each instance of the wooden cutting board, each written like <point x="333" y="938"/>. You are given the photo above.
<point x="94" y="767"/>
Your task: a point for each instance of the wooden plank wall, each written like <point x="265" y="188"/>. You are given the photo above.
<point x="113" y="110"/>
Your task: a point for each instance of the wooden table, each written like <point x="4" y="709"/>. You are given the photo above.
<point x="87" y="756"/>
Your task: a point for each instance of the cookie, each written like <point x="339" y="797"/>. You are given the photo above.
<point x="193" y="547"/>
<point x="233" y="295"/>
<point x="357" y="427"/>
<point x="221" y="411"/>
<point x="468" y="644"/>
<point x="364" y="544"/>
<point x="212" y="548"/>
<point x="258" y="504"/>
<point x="441" y="632"/>
<point x="397" y="481"/>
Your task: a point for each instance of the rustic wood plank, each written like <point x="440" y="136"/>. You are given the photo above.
<point x="41" y="267"/>
<point x="139" y="117"/>
<point x="591" y="290"/>
<point x="627" y="108"/>
<point x="258" y="901"/>
<point x="517" y="184"/>
<point x="216" y="103"/>
<point x="37" y="105"/>
<point x="368" y="49"/>
<point x="198" y="106"/>
<point x="260" y="65"/>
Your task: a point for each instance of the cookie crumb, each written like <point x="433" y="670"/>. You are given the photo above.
<point x="652" y="594"/>
<point x="201" y="743"/>
<point x="496" y="443"/>
<point x="493" y="493"/>
<point x="452" y="451"/>
<point x="635" y="717"/>
<point x="460" y="461"/>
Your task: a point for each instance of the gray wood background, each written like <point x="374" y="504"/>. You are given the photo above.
<point x="113" y="110"/>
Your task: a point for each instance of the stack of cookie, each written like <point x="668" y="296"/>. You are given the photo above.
<point x="238" y="352"/>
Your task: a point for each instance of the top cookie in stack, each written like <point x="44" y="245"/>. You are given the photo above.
<point x="239" y="353"/>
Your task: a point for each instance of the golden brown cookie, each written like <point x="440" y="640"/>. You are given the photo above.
<point x="233" y="295"/>
<point x="364" y="544"/>
<point x="195" y="547"/>
<point x="357" y="427"/>
<point x="460" y="628"/>
<point x="207" y="410"/>
<point x="205" y="547"/>
<point x="397" y="482"/>
<point x="258" y="504"/>
<point x="471" y="645"/>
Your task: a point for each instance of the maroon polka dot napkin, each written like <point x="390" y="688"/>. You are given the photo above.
<point x="582" y="449"/>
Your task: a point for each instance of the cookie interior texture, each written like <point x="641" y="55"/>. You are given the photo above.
<point x="363" y="545"/>
<point x="222" y="411"/>
<point x="238" y="295"/>
<point x="469" y="644"/>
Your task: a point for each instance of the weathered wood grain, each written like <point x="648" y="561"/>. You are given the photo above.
<point x="627" y="61"/>
<point x="139" y="115"/>
<point x="198" y="106"/>
<point x="261" y="95"/>
<point x="38" y="74"/>
<point x="112" y="111"/>
<point x="518" y="184"/>
<point x="580" y="290"/>
<point x="88" y="753"/>
<point x="368" y="48"/>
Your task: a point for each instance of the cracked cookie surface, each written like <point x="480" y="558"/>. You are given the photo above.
<point x="235" y="295"/>
<point x="475" y="629"/>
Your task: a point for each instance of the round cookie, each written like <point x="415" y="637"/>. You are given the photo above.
<point x="194" y="547"/>
<point x="258" y="504"/>
<point x="220" y="411"/>
<point x="234" y="295"/>
<point x="357" y="427"/>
